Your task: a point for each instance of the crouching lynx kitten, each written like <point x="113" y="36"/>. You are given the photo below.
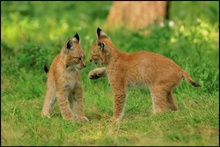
<point x="64" y="82"/>
<point x="139" y="69"/>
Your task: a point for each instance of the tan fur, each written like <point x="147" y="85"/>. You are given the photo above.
<point x="139" y="69"/>
<point x="64" y="82"/>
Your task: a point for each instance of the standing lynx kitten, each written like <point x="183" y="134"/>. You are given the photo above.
<point x="64" y="82"/>
<point x="139" y="69"/>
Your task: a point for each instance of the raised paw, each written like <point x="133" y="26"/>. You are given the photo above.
<point x="93" y="75"/>
<point x="97" y="73"/>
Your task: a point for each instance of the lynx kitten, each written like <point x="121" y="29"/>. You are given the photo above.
<point x="139" y="69"/>
<point x="64" y="82"/>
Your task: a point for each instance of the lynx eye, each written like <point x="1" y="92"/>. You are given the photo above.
<point x="100" y="45"/>
<point x="80" y="58"/>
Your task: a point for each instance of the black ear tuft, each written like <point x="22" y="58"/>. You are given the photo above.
<point x="46" y="69"/>
<point x="68" y="45"/>
<point x="98" y="31"/>
<point x="77" y="37"/>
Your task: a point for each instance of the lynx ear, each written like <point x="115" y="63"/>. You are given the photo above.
<point x="101" y="34"/>
<point x="69" y="45"/>
<point x="102" y="46"/>
<point x="76" y="38"/>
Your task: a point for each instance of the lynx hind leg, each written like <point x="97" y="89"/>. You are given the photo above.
<point x="171" y="102"/>
<point x="77" y="105"/>
<point x="159" y="99"/>
<point x="97" y="73"/>
<point x="48" y="102"/>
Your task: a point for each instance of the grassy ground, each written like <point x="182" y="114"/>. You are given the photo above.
<point x="33" y="33"/>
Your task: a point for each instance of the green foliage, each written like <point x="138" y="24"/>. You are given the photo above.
<point x="33" y="33"/>
<point x="31" y="55"/>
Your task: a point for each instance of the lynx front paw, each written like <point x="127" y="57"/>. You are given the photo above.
<point x="93" y="75"/>
<point x="115" y="120"/>
<point x="83" y="119"/>
<point x="43" y="114"/>
<point x="69" y="118"/>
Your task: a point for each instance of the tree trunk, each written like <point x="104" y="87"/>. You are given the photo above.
<point x="137" y="14"/>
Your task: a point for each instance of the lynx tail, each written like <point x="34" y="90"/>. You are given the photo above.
<point x="189" y="79"/>
<point x="46" y="69"/>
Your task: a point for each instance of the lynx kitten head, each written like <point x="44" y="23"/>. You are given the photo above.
<point x="73" y="54"/>
<point x="100" y="50"/>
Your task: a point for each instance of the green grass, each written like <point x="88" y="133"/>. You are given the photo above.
<point x="32" y="35"/>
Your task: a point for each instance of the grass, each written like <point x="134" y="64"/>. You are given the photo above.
<point x="31" y="37"/>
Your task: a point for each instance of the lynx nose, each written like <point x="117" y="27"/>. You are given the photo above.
<point x="90" y="60"/>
